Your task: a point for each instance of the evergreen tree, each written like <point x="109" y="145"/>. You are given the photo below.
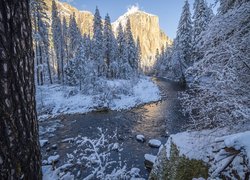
<point x="184" y="36"/>
<point x="97" y="49"/>
<point x="74" y="37"/>
<point x="87" y="45"/>
<point x="65" y="35"/>
<point x="110" y="48"/>
<point x="131" y="48"/>
<point x="57" y="41"/>
<point x="139" y="54"/>
<point x="123" y="64"/>
<point x="202" y="16"/>
<point x="41" y="41"/>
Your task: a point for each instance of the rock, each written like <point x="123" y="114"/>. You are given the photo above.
<point x="115" y="147"/>
<point x="135" y="172"/>
<point x="44" y="162"/>
<point x="146" y="27"/>
<point x="43" y="142"/>
<point x="53" y="159"/>
<point x="140" y="138"/>
<point x="154" y="143"/>
<point x="149" y="160"/>
<point x="54" y="146"/>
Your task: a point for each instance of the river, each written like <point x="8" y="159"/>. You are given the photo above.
<point x="154" y="121"/>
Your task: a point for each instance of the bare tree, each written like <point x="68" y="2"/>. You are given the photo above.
<point x="19" y="146"/>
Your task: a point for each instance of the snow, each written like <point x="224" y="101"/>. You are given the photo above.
<point x="43" y="142"/>
<point x="52" y="159"/>
<point x="154" y="143"/>
<point x="238" y="141"/>
<point x="123" y="19"/>
<point x="57" y="100"/>
<point x="67" y="140"/>
<point x="135" y="172"/>
<point x="50" y="174"/>
<point x="140" y="138"/>
<point x="225" y="150"/>
<point x="149" y="157"/>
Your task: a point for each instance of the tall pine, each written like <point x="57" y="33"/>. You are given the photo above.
<point x="97" y="48"/>
<point x="184" y="36"/>
<point x="202" y="16"/>
<point x="131" y="48"/>
<point x="57" y="41"/>
<point x="110" y="49"/>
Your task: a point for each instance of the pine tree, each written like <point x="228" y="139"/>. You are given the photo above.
<point x="65" y="36"/>
<point x="110" y="48"/>
<point x="131" y="48"/>
<point x="202" y="16"/>
<point x="183" y="41"/>
<point x="41" y="40"/>
<point x="124" y="68"/>
<point x="19" y="144"/>
<point x="139" y="55"/>
<point x="97" y="48"/>
<point x="87" y="45"/>
<point x="75" y="37"/>
<point x="57" y="41"/>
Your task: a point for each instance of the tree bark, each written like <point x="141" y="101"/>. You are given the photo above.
<point x="19" y="146"/>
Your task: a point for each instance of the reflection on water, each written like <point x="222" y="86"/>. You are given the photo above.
<point x="151" y="120"/>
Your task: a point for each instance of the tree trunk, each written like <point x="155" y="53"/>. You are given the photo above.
<point x="19" y="146"/>
<point x="49" y="71"/>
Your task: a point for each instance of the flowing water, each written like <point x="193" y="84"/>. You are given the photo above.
<point x="153" y="120"/>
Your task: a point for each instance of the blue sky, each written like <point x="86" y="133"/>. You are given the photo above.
<point x="169" y="11"/>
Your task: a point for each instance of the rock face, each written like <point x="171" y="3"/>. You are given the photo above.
<point x="143" y="25"/>
<point x="146" y="27"/>
<point x="84" y="19"/>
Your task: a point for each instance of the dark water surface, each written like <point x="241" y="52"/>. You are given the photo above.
<point x="154" y="120"/>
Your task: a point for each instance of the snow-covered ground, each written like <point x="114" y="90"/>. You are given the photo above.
<point x="53" y="100"/>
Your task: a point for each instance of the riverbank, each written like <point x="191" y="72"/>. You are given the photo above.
<point x="55" y="100"/>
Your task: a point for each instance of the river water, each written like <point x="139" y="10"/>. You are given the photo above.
<point x="154" y="121"/>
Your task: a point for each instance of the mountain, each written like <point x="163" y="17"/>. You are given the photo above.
<point x="143" y="25"/>
<point x="146" y="27"/>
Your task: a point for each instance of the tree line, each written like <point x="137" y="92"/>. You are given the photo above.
<point x="81" y="59"/>
<point x="172" y="62"/>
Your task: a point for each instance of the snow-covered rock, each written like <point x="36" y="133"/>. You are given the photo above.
<point x="149" y="160"/>
<point x="54" y="146"/>
<point x="43" y="142"/>
<point x="221" y="152"/>
<point x="239" y="141"/>
<point x="52" y="159"/>
<point x="140" y="138"/>
<point x="154" y="143"/>
<point x="115" y="147"/>
<point x="135" y="172"/>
